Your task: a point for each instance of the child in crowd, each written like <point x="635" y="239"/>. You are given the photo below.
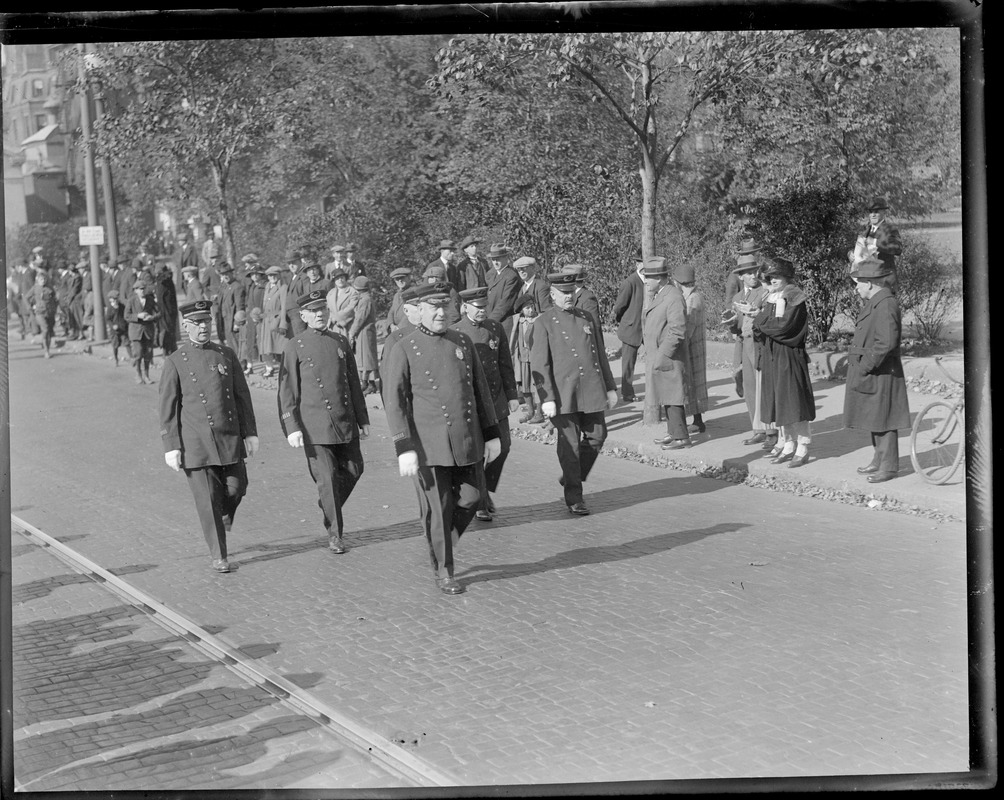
<point x="116" y="325"/>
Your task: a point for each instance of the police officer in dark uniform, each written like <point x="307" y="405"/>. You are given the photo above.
<point x="492" y="348"/>
<point x="410" y="317"/>
<point x="574" y="383"/>
<point x="442" y="422"/>
<point x="322" y="410"/>
<point x="208" y="425"/>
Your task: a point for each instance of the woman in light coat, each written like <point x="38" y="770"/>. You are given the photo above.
<point x="272" y="334"/>
<point x="362" y="334"/>
<point x="342" y="299"/>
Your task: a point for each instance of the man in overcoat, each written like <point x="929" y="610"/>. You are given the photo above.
<point x="628" y="315"/>
<point x="574" y="383"/>
<point x="208" y="426"/>
<point x="232" y="298"/>
<point x="446" y="248"/>
<point x="667" y="368"/>
<point x="472" y="268"/>
<point x="442" y="422"/>
<point x="503" y="287"/>
<point x="492" y="348"/>
<point x="875" y="396"/>
<point x="321" y="409"/>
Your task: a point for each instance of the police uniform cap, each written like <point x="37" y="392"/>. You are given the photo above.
<point x="524" y="261"/>
<point x="434" y="293"/>
<point x="563" y="281"/>
<point x="410" y="295"/>
<point x="654" y="267"/>
<point x="576" y="269"/>
<point x="477" y="296"/>
<point x="197" y="309"/>
<point x="312" y="300"/>
<point x="401" y="272"/>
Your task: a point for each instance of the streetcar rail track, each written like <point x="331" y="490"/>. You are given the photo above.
<point x="383" y="751"/>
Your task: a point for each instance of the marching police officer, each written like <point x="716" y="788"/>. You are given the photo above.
<point x="492" y="347"/>
<point x="321" y="409"/>
<point x="442" y="422"/>
<point x="208" y="425"/>
<point x="410" y="318"/>
<point x="574" y="383"/>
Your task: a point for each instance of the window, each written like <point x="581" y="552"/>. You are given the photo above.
<point x="37" y="88"/>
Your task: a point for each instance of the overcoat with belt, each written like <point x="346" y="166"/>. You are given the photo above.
<point x="667" y="362"/>
<point x="875" y="394"/>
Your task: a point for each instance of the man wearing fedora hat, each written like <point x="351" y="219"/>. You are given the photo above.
<point x="697" y="400"/>
<point x="569" y="364"/>
<point x="875" y="397"/>
<point x="667" y="362"/>
<point x="503" y="287"/>
<point x="492" y="347"/>
<point x="446" y="248"/>
<point x="746" y="305"/>
<point x="628" y="316"/>
<point x="208" y="426"/>
<point x="472" y="268"/>
<point x="878" y="237"/>
<point x="442" y="422"/>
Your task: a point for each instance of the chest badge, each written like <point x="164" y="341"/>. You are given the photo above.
<point x="493" y="343"/>
<point x="460" y="354"/>
<point x="222" y="368"/>
<point x="341" y="353"/>
<point x="586" y="329"/>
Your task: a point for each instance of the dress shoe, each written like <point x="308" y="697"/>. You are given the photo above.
<point x="525" y="419"/>
<point x="677" y="444"/>
<point x="536" y="419"/>
<point x="450" y="586"/>
<point x="798" y="461"/>
<point x="756" y="438"/>
<point x="882" y="477"/>
<point x="221" y="565"/>
<point x="336" y="544"/>
<point x="664" y="440"/>
<point x="783" y="457"/>
<point x="482" y="515"/>
<point x="697" y="428"/>
<point x="871" y="469"/>
<point x="631" y="398"/>
<point x="579" y="509"/>
<point x="769" y="443"/>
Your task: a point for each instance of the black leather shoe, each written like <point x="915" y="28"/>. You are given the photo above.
<point x="631" y="398"/>
<point x="663" y="440"/>
<point x="696" y="428"/>
<point x="798" y="461"/>
<point x="677" y="444"/>
<point x="336" y="544"/>
<point x="871" y="469"/>
<point x="882" y="477"/>
<point x="579" y="509"/>
<point x="483" y="515"/>
<point x="769" y="442"/>
<point x="783" y="458"/>
<point x="450" y="586"/>
<point x="756" y="438"/>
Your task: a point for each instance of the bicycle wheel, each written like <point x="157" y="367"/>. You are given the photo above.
<point x="937" y="442"/>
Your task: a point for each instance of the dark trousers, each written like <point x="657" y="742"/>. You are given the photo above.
<point x="629" y="357"/>
<point x="676" y="422"/>
<point x="217" y="492"/>
<point x="493" y="471"/>
<point x="448" y="498"/>
<point x="580" y="437"/>
<point x="335" y="469"/>
<point x="886" y="444"/>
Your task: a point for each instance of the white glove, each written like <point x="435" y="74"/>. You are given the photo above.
<point x="251" y="445"/>
<point x="295" y="439"/>
<point x="493" y="449"/>
<point x="364" y="431"/>
<point x="549" y="409"/>
<point x="173" y="459"/>
<point x="513" y="406"/>
<point x="611" y="399"/>
<point x="407" y="463"/>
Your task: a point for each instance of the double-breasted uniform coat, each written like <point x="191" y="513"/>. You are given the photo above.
<point x="570" y="368"/>
<point x="875" y="397"/>
<point x="492" y="348"/>
<point x="320" y="396"/>
<point x="787" y="395"/>
<point x="438" y="405"/>
<point x="206" y="413"/>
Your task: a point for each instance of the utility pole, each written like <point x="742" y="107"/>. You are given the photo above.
<point x="91" y="192"/>
<point x="107" y="188"/>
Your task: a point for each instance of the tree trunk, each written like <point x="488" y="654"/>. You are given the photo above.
<point x="220" y="177"/>
<point x="649" y="203"/>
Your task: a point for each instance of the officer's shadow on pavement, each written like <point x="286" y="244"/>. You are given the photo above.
<point x="600" y="554"/>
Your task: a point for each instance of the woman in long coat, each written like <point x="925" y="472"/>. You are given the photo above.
<point x="272" y="337"/>
<point x="342" y="299"/>
<point x="780" y="330"/>
<point x="251" y="331"/>
<point x="362" y="333"/>
<point x="875" y="396"/>
<point x="667" y="363"/>
<point x="697" y="349"/>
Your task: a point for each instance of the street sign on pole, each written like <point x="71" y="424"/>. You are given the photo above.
<point x="91" y="235"/>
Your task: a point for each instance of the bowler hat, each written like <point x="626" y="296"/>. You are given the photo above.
<point x="476" y="296"/>
<point x="446" y="244"/>
<point x="468" y="241"/>
<point x="314" y="299"/>
<point x="684" y="273"/>
<point x="747" y="246"/>
<point x="197" y="309"/>
<point x="779" y="267"/>
<point x="869" y="268"/>
<point x="746" y="263"/>
<point x="562" y="281"/>
<point x="878" y="204"/>
<point x="524" y="261"/>
<point x="498" y="251"/>
<point x="655" y="267"/>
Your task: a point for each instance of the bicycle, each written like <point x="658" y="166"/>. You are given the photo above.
<point x="938" y="437"/>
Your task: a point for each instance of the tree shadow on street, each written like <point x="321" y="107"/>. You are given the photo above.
<point x="599" y="554"/>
